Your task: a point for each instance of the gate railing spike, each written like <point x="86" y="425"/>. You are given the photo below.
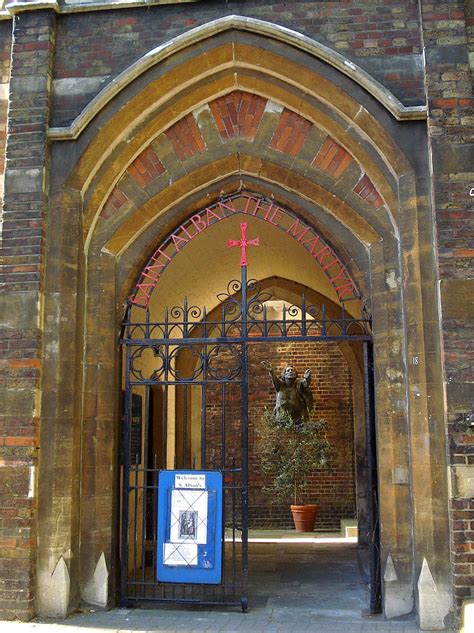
<point x="126" y="331"/>
<point x="185" y="318"/>
<point x="147" y="323"/>
<point x="222" y="319"/>
<point x="166" y="328"/>
<point x="323" y="320"/>
<point x="284" y="320"/>
<point x="303" y="315"/>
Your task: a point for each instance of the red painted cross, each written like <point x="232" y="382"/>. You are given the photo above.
<point x="243" y="243"/>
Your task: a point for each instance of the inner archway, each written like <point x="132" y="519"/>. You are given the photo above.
<point x="207" y="358"/>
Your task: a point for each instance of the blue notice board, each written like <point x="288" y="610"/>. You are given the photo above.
<point x="189" y="526"/>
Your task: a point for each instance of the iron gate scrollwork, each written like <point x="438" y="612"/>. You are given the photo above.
<point x="191" y="369"/>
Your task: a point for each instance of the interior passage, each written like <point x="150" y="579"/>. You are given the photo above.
<point x="308" y="575"/>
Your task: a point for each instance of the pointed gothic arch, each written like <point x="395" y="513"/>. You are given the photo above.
<point x="135" y="180"/>
<point x="252" y="25"/>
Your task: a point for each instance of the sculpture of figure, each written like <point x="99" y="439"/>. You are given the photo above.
<point x="293" y="396"/>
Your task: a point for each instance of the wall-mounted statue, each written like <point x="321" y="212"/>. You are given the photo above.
<point x="293" y="394"/>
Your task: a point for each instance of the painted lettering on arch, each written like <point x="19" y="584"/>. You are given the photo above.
<point x="247" y="205"/>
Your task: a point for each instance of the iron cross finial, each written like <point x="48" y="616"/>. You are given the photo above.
<point x="243" y="243"/>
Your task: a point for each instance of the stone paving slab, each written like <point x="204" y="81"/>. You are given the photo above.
<point x="188" y="621"/>
<point x="298" y="588"/>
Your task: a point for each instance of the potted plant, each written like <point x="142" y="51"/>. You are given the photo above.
<point x="291" y="453"/>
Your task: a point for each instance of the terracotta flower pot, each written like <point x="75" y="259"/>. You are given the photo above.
<point x="304" y="517"/>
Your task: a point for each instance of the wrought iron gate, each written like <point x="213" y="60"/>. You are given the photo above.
<point x="188" y="375"/>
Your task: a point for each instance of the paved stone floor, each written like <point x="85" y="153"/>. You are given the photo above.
<point x="294" y="588"/>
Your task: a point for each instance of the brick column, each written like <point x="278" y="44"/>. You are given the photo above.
<point x="24" y="216"/>
<point x="450" y="128"/>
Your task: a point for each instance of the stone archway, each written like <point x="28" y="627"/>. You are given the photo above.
<point x="169" y="144"/>
<point x="197" y="419"/>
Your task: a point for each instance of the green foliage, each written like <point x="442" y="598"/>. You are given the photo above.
<point x="291" y="452"/>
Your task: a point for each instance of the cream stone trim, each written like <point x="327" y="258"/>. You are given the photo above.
<point x="7" y="9"/>
<point x="80" y="6"/>
<point x="368" y="240"/>
<point x="280" y="33"/>
<point x="16" y="6"/>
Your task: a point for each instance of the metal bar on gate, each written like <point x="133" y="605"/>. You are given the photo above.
<point x="372" y="506"/>
<point x="204" y="322"/>
<point x="223" y="519"/>
<point x="222" y="321"/>
<point x="185" y="601"/>
<point x="303" y="316"/>
<point x="185" y="318"/>
<point x="125" y="482"/>
<point x="185" y="426"/>
<point x="233" y="521"/>
<point x="135" y="521"/>
<point x="127" y="321"/>
<point x="172" y="342"/>
<point x="165" y="424"/>
<point x="145" y="479"/>
<point x="244" y="447"/>
<point x="203" y="410"/>
<point x="147" y="322"/>
<point x="155" y="518"/>
<point x="223" y="394"/>
<point x="244" y="306"/>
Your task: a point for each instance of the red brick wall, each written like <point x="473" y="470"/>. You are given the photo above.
<point x="450" y="101"/>
<point x="21" y="284"/>
<point x="334" y="490"/>
<point x="469" y="7"/>
<point x="382" y="37"/>
<point x="462" y="546"/>
<point x="446" y="27"/>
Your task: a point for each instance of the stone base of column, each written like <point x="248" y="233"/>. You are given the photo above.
<point x="53" y="590"/>
<point x="435" y="601"/>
